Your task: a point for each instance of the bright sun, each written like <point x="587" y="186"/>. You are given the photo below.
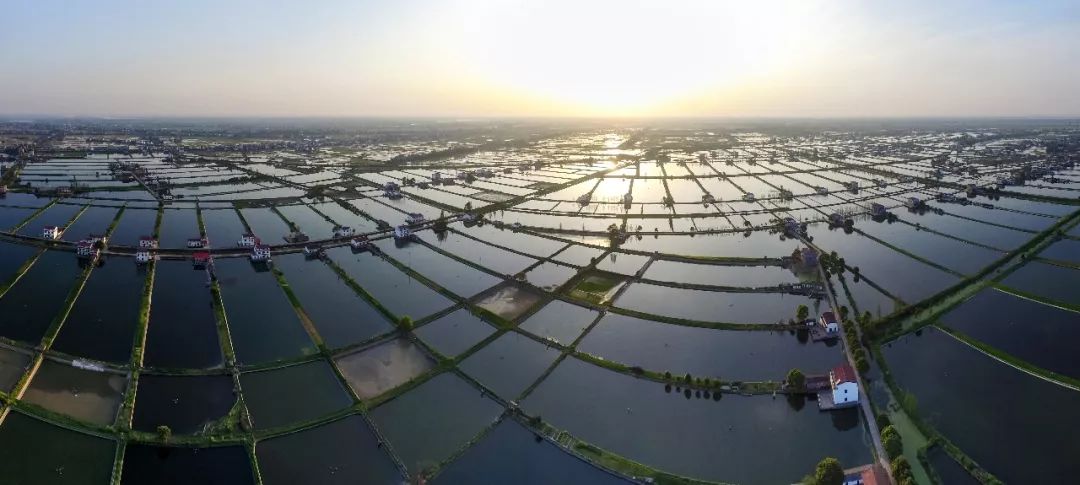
<point x="605" y="57"/>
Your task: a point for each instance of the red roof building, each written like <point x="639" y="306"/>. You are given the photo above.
<point x="200" y="257"/>
<point x="845" y="385"/>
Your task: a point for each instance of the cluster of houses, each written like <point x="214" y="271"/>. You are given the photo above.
<point x="837" y="219"/>
<point x="90" y="247"/>
<point x="878" y="211"/>
<point x="343" y="231"/>
<point x="392" y="190"/>
<point x="836" y="390"/>
<point x="52" y="233"/>
<point x="793" y="228"/>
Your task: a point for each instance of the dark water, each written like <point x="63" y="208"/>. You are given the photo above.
<point x="134" y="223"/>
<point x="994" y="236"/>
<point x="340" y="315"/>
<point x="311" y="223"/>
<point x="12" y="366"/>
<point x="223" y="227"/>
<point x="28" y="307"/>
<point x="183" y="330"/>
<point x="713" y="306"/>
<point x="1063" y="250"/>
<point x="536" y="246"/>
<point x="313" y="391"/>
<point x="705" y="274"/>
<point x="948" y="470"/>
<point x="734" y="439"/>
<point x="35" y="452"/>
<point x="344" y="217"/>
<point x="57" y="215"/>
<point x="950" y="253"/>
<point x="495" y="259"/>
<point x="511" y="454"/>
<point x="460" y="278"/>
<point x="423" y="434"/>
<point x="266" y="224"/>
<point x="399" y="292"/>
<point x="904" y="277"/>
<point x="12" y="257"/>
<point x="1056" y="283"/>
<point x="94" y="220"/>
<point x="1040" y="334"/>
<point x="183" y="403"/>
<point x="509" y="364"/>
<point x="10" y="217"/>
<point x="454" y="333"/>
<point x="101" y="325"/>
<point x="177" y="226"/>
<point x="342" y="452"/>
<point x="728" y="354"/>
<point x="759" y="244"/>
<point x="224" y="465"/>
<point x="263" y="325"/>
<point x="953" y="385"/>
<point x="559" y="320"/>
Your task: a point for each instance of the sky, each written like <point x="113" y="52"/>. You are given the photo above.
<point x="540" y="58"/>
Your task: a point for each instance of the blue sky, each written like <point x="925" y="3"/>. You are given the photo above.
<point x="529" y="58"/>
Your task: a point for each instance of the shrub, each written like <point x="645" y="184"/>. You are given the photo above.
<point x="901" y="470"/>
<point x="164" y="433"/>
<point x="796" y="379"/>
<point x="894" y="447"/>
<point x="861" y="364"/>
<point x="828" y="472"/>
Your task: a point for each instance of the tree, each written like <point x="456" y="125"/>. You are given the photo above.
<point x="164" y="433"/>
<point x="862" y="364"/>
<point x="802" y="312"/>
<point x="891" y="441"/>
<point x="843" y="312"/>
<point x="828" y="472"/>
<point x="901" y="470"/>
<point x="796" y="379"/>
<point x="405" y="323"/>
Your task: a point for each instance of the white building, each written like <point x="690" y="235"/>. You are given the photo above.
<point x="260" y="253"/>
<point x="52" y="232"/>
<point x="142" y="256"/>
<point x="344" y="231"/>
<point x="402" y="233"/>
<point x="147" y="242"/>
<point x="845" y="386"/>
<point x="828" y="321"/>
<point x="85" y="249"/>
<point x="360" y="243"/>
<point x="247" y="240"/>
<point x="197" y="242"/>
